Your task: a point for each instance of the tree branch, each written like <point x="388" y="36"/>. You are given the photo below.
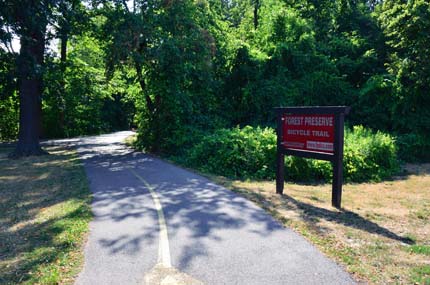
<point x="10" y="42"/>
<point x="142" y="84"/>
<point x="124" y="3"/>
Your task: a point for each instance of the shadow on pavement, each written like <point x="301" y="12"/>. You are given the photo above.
<point x="192" y="203"/>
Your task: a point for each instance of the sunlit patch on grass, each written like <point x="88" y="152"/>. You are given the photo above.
<point x="44" y="215"/>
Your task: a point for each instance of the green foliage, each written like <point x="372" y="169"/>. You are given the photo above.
<point x="88" y="104"/>
<point x="406" y="25"/>
<point x="414" y="147"/>
<point x="174" y="69"/>
<point x="8" y="118"/>
<point x="238" y="153"/>
<point x="369" y="155"/>
<point x="375" y="107"/>
<point x="251" y="152"/>
<point x="8" y="98"/>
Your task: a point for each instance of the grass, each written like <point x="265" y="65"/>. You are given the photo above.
<point x="382" y="234"/>
<point x="44" y="216"/>
<point x="421" y="249"/>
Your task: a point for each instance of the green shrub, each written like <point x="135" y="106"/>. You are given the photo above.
<point x="251" y="153"/>
<point x="307" y="170"/>
<point x="414" y="147"/>
<point x="369" y="156"/>
<point x="9" y="116"/>
<point x="237" y="153"/>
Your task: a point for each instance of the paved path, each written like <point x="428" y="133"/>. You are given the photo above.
<point x="155" y="223"/>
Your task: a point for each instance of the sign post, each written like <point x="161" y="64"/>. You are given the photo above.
<point x="312" y="132"/>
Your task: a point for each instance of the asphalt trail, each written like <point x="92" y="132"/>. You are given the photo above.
<point x="155" y="223"/>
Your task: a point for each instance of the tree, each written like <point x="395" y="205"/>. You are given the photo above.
<point x="170" y="49"/>
<point x="28" y="19"/>
<point x="406" y="25"/>
<point x="71" y="19"/>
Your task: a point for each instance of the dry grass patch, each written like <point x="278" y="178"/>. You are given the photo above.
<point x="44" y="215"/>
<point x="382" y="234"/>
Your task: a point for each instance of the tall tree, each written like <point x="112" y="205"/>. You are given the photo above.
<point x="406" y="25"/>
<point x="170" y="49"/>
<point x="29" y="19"/>
<point x="71" y="19"/>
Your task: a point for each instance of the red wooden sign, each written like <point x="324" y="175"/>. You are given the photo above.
<point x="309" y="132"/>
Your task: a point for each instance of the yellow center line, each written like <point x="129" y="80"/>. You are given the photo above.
<point x="163" y="246"/>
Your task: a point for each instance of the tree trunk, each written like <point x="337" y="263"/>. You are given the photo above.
<point x="256" y="8"/>
<point x="64" y="38"/>
<point x="29" y="66"/>
<point x="149" y="103"/>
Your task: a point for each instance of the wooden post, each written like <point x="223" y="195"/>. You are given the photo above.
<point x="280" y="162"/>
<point x="337" y="162"/>
<point x="301" y="148"/>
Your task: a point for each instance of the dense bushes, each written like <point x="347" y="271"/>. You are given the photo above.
<point x="8" y="98"/>
<point x="248" y="152"/>
<point x="414" y="147"/>
<point x="8" y="119"/>
<point x="251" y="152"/>
<point x="369" y="155"/>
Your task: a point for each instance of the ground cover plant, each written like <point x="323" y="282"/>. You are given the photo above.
<point x="44" y="216"/>
<point x="381" y="235"/>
